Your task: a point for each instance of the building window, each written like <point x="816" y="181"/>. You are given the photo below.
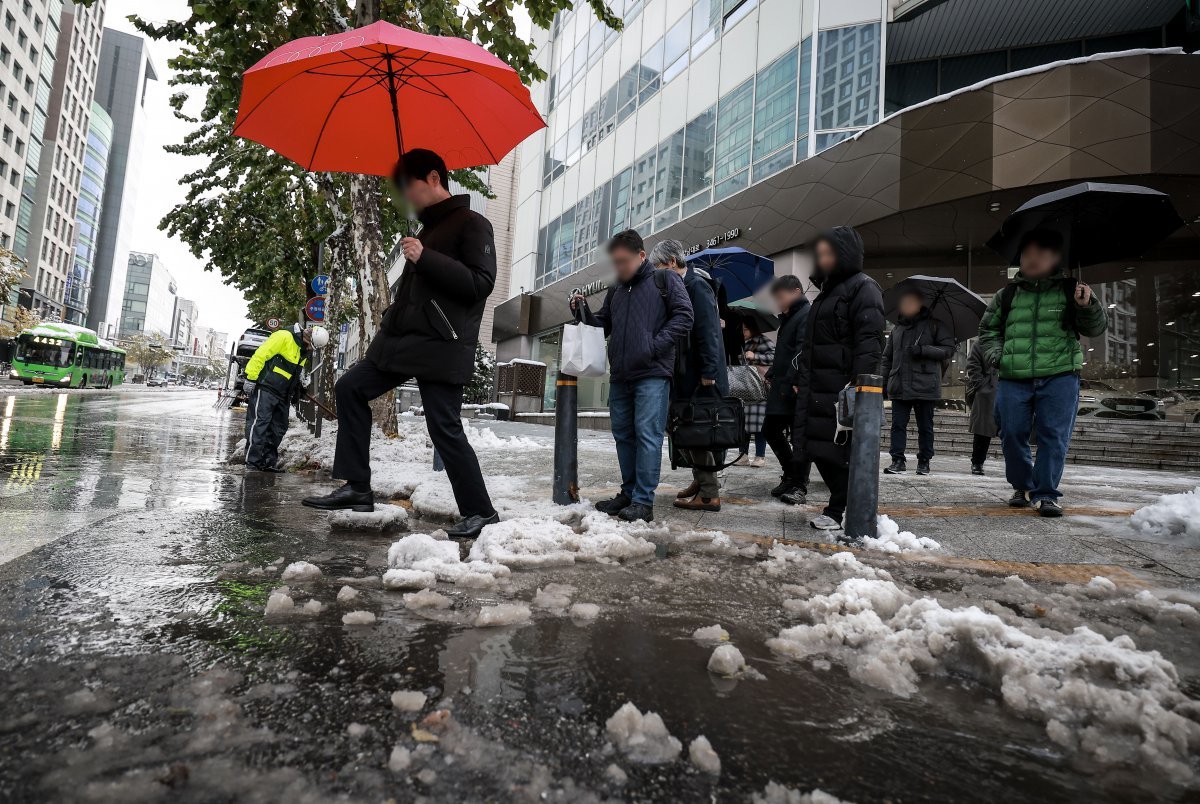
<point x="775" y="100"/>
<point x="698" y="151"/>
<point x="847" y="79"/>
<point x="735" y="113"/>
<point x="668" y="185"/>
<point x="642" y="192"/>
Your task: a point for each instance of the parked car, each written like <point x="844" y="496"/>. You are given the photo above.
<point x="1099" y="400"/>
<point x="156" y="382"/>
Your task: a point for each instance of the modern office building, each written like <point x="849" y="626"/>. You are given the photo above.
<point x="757" y="123"/>
<point x="87" y="215"/>
<point x="183" y="330"/>
<point x="125" y="71"/>
<point x="53" y="202"/>
<point x="149" y="302"/>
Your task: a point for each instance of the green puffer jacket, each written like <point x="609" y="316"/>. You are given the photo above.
<point x="1035" y="341"/>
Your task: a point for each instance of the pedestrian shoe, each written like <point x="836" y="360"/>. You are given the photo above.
<point x="743" y="460"/>
<point x="690" y="491"/>
<point x="922" y="467"/>
<point x="1019" y="499"/>
<point x="898" y="467"/>
<point x="785" y="485"/>
<point x="470" y="527"/>
<point x="343" y="498"/>
<point x="613" y="506"/>
<point x="1048" y="508"/>
<point x="698" y="503"/>
<point x="826" y="523"/>
<point x="637" y="511"/>
<point x="795" y="496"/>
<point x="757" y="462"/>
<point x="977" y="469"/>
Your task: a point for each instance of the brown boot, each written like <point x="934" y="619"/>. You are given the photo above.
<point x="698" y="503"/>
<point x="690" y="491"/>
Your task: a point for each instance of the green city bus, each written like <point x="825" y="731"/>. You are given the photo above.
<point x="67" y="356"/>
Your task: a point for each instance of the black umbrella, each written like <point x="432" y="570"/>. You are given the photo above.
<point x="951" y="304"/>
<point x="1098" y="222"/>
<point x="759" y="318"/>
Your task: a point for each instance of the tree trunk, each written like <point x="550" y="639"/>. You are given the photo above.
<point x="366" y="238"/>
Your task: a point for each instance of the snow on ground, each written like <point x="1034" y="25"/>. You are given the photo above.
<point x="422" y="552"/>
<point x="1172" y="518"/>
<point x="1103" y="697"/>
<point x="301" y="571"/>
<point x="702" y="755"/>
<point x="642" y="738"/>
<point x="503" y="614"/>
<point x="726" y="660"/>
<point x="775" y="793"/>
<point x="529" y="542"/>
<point x="384" y="516"/>
<point x="890" y="539"/>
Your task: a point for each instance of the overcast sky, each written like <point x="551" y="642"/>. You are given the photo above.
<point x="221" y="307"/>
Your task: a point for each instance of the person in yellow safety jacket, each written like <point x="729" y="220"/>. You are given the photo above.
<point x="273" y="382"/>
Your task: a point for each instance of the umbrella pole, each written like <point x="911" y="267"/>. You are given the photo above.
<point x="392" y="91"/>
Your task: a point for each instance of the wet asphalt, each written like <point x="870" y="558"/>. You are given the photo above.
<point x="138" y="664"/>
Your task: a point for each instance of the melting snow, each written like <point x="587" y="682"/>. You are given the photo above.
<point x="726" y="660"/>
<point x="409" y="700"/>
<point x="584" y="611"/>
<point x="527" y="542"/>
<point x="711" y="633"/>
<point x="426" y="599"/>
<point x="420" y="551"/>
<point x="400" y="759"/>
<point x="358" y="618"/>
<point x="346" y="594"/>
<point x="643" y="738"/>
<point x="384" y="516"/>
<point x="301" y="571"/>
<point x="702" y="755"/>
<point x="775" y="793"/>
<point x="890" y="539"/>
<point x="280" y="601"/>
<point x="1173" y="518"/>
<point x="503" y="614"/>
<point x="408" y="579"/>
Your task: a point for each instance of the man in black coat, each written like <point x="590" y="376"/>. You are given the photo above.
<point x="788" y="292"/>
<point x="912" y="376"/>
<point x="429" y="333"/>
<point x="844" y="339"/>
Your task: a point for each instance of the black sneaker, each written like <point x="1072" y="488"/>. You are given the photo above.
<point x="922" y="467"/>
<point x="1019" y="499"/>
<point x="795" y="496"/>
<point x="637" y="511"/>
<point x="785" y="485"/>
<point x="977" y="469"/>
<point x="614" y="506"/>
<point x="898" y="467"/>
<point x="1048" y="508"/>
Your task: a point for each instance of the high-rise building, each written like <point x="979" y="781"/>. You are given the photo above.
<point x="87" y="215"/>
<point x="187" y="314"/>
<point x="125" y="71"/>
<point x="922" y="123"/>
<point x="52" y="204"/>
<point x="149" y="301"/>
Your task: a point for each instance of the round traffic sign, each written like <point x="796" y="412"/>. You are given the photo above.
<point x="315" y="308"/>
<point x="320" y="284"/>
<point x="273" y="323"/>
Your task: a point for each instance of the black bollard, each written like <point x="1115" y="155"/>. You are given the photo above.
<point x="566" y="440"/>
<point x="862" y="499"/>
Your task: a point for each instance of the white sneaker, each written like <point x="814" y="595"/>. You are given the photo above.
<point x="758" y="463"/>
<point x="743" y="460"/>
<point x="823" y="522"/>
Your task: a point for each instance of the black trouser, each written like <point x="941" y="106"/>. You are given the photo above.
<point x="266" y="423"/>
<point x="901" y="408"/>
<point x="979" y="449"/>
<point x="443" y="409"/>
<point x="777" y="429"/>
<point x="837" y="478"/>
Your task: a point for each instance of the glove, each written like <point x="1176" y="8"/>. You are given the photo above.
<point x="916" y="350"/>
<point x="248" y="386"/>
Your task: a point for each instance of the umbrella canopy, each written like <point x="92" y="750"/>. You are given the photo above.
<point x="1098" y="222"/>
<point x="952" y="305"/>
<point x="758" y="317"/>
<point x="741" y="272"/>
<point x="354" y="102"/>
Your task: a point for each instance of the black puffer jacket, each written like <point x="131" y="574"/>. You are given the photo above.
<point x="844" y="339"/>
<point x="431" y="328"/>
<point x="912" y="359"/>
<point x="789" y="343"/>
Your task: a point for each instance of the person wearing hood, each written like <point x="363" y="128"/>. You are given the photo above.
<point x="645" y="314"/>
<point x="428" y="333"/>
<point x="792" y="304"/>
<point x="981" y="397"/>
<point x="699" y="364"/>
<point x="1030" y="332"/>
<point x="844" y="339"/>
<point x="912" y="376"/>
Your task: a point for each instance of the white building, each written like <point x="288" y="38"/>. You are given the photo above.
<point x="183" y="331"/>
<point x="148" y="307"/>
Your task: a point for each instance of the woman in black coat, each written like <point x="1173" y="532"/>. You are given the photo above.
<point x="844" y="339"/>
<point x="788" y="293"/>
<point x="981" y="396"/>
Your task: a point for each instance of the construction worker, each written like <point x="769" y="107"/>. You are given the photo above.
<point x="273" y="384"/>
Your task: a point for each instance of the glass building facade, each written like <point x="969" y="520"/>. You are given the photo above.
<point x="87" y="215"/>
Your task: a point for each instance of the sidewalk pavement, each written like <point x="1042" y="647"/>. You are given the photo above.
<point x="966" y="514"/>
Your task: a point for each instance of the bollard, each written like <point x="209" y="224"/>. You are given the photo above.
<point x="566" y="440"/>
<point x="438" y="466"/>
<point x="862" y="498"/>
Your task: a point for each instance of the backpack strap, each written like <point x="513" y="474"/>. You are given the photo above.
<point x="1006" y="303"/>
<point x="660" y="279"/>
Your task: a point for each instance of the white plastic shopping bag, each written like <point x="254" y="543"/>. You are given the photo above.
<point x="583" y="350"/>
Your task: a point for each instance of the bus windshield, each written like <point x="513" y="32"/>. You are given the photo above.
<point x="56" y="354"/>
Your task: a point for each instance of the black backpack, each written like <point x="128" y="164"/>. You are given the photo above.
<point x="1069" y="315"/>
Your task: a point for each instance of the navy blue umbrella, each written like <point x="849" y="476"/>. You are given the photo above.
<point x="742" y="273"/>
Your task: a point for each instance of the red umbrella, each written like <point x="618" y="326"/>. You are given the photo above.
<point x="353" y="102"/>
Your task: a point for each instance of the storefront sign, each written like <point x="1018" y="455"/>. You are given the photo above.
<point x="591" y="288"/>
<point x="716" y="240"/>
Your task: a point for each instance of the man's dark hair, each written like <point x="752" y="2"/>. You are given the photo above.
<point x="629" y="240"/>
<point x="1042" y="238"/>
<point x="785" y="283"/>
<point x="417" y="164"/>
